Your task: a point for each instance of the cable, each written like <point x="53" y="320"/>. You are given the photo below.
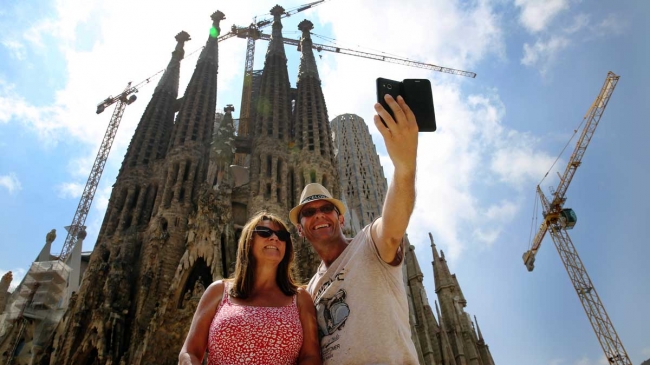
<point x="575" y="131"/>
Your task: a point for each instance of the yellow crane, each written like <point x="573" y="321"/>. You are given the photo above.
<point x="557" y="220"/>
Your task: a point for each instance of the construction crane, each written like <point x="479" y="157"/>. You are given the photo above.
<point x="76" y="230"/>
<point x="251" y="34"/>
<point x="557" y="220"/>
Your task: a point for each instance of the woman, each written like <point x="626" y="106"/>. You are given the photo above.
<point x="260" y="316"/>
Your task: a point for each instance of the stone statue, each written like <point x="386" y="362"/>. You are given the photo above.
<point x="199" y="288"/>
<point x="51" y="236"/>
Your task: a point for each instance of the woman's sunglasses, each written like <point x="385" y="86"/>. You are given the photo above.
<point x="266" y="232"/>
<point x="325" y="209"/>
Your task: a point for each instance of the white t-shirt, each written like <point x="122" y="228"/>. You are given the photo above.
<point x="361" y="308"/>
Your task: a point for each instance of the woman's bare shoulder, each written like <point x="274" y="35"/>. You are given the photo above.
<point x="215" y="290"/>
<point x="304" y="297"/>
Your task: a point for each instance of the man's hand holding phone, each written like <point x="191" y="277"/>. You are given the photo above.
<point x="416" y="93"/>
<point x="400" y="133"/>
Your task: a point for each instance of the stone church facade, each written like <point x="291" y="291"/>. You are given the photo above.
<point x="177" y="207"/>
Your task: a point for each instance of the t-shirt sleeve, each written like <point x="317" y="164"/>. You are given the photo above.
<point x="399" y="257"/>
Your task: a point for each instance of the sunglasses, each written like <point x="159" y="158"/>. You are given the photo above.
<point x="266" y="232"/>
<point x="325" y="209"/>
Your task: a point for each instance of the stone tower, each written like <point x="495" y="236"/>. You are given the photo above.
<point x="315" y="160"/>
<point x="143" y="236"/>
<point x="270" y="160"/>
<point x="362" y="180"/>
<point x="467" y="346"/>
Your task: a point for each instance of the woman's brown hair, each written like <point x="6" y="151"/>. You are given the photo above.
<point x="244" y="275"/>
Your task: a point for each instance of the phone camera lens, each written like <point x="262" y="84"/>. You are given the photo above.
<point x="389" y="86"/>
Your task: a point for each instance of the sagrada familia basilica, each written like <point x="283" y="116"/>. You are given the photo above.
<point x="187" y="185"/>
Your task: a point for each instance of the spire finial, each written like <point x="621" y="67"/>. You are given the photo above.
<point x="433" y="247"/>
<point x="217" y="17"/>
<point x="480" y="335"/>
<point x="277" y="12"/>
<point x="305" y="26"/>
<point x="229" y="109"/>
<point x="181" y="38"/>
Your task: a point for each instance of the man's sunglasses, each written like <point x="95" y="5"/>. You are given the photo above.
<point x="266" y="232"/>
<point x="325" y="209"/>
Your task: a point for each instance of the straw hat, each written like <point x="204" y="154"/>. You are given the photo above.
<point x="313" y="192"/>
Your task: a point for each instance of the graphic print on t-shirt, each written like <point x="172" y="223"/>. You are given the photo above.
<point x="331" y="313"/>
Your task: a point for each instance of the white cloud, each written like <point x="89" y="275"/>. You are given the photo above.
<point x="518" y="161"/>
<point x="548" y="45"/>
<point x="536" y="15"/>
<point x="543" y="54"/>
<point x="16" y="49"/>
<point x="612" y="24"/>
<point x="580" y="21"/>
<point x="10" y="182"/>
<point x="70" y="190"/>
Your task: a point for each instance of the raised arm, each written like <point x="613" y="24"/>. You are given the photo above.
<point x="310" y="350"/>
<point x="401" y="138"/>
<point x="197" y="338"/>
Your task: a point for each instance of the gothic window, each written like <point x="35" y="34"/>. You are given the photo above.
<point x="269" y="165"/>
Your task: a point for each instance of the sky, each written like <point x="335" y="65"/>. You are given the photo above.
<point x="539" y="64"/>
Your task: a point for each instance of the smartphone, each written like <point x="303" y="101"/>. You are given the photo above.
<point x="417" y="95"/>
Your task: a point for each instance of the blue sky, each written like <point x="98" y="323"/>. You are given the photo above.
<point x="540" y="65"/>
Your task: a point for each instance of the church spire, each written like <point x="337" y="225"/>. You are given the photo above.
<point x="307" y="62"/>
<point x="149" y="141"/>
<point x="442" y="276"/>
<point x="222" y="150"/>
<point x="483" y="348"/>
<point x="312" y="131"/>
<point x="169" y="80"/>
<point x="276" y="45"/>
<point x="270" y="166"/>
<point x="445" y="344"/>
<point x="195" y="118"/>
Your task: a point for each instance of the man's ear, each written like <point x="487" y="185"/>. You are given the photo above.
<point x="341" y="220"/>
<point x="299" y="228"/>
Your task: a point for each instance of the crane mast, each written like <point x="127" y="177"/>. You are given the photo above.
<point x="557" y="220"/>
<point x="76" y="228"/>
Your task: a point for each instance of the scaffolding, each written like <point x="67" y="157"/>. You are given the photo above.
<point x="40" y="301"/>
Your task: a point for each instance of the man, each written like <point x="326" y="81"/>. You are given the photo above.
<point x="358" y="290"/>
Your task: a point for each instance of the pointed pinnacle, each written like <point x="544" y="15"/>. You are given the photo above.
<point x="480" y="335"/>
<point x="433" y="247"/>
